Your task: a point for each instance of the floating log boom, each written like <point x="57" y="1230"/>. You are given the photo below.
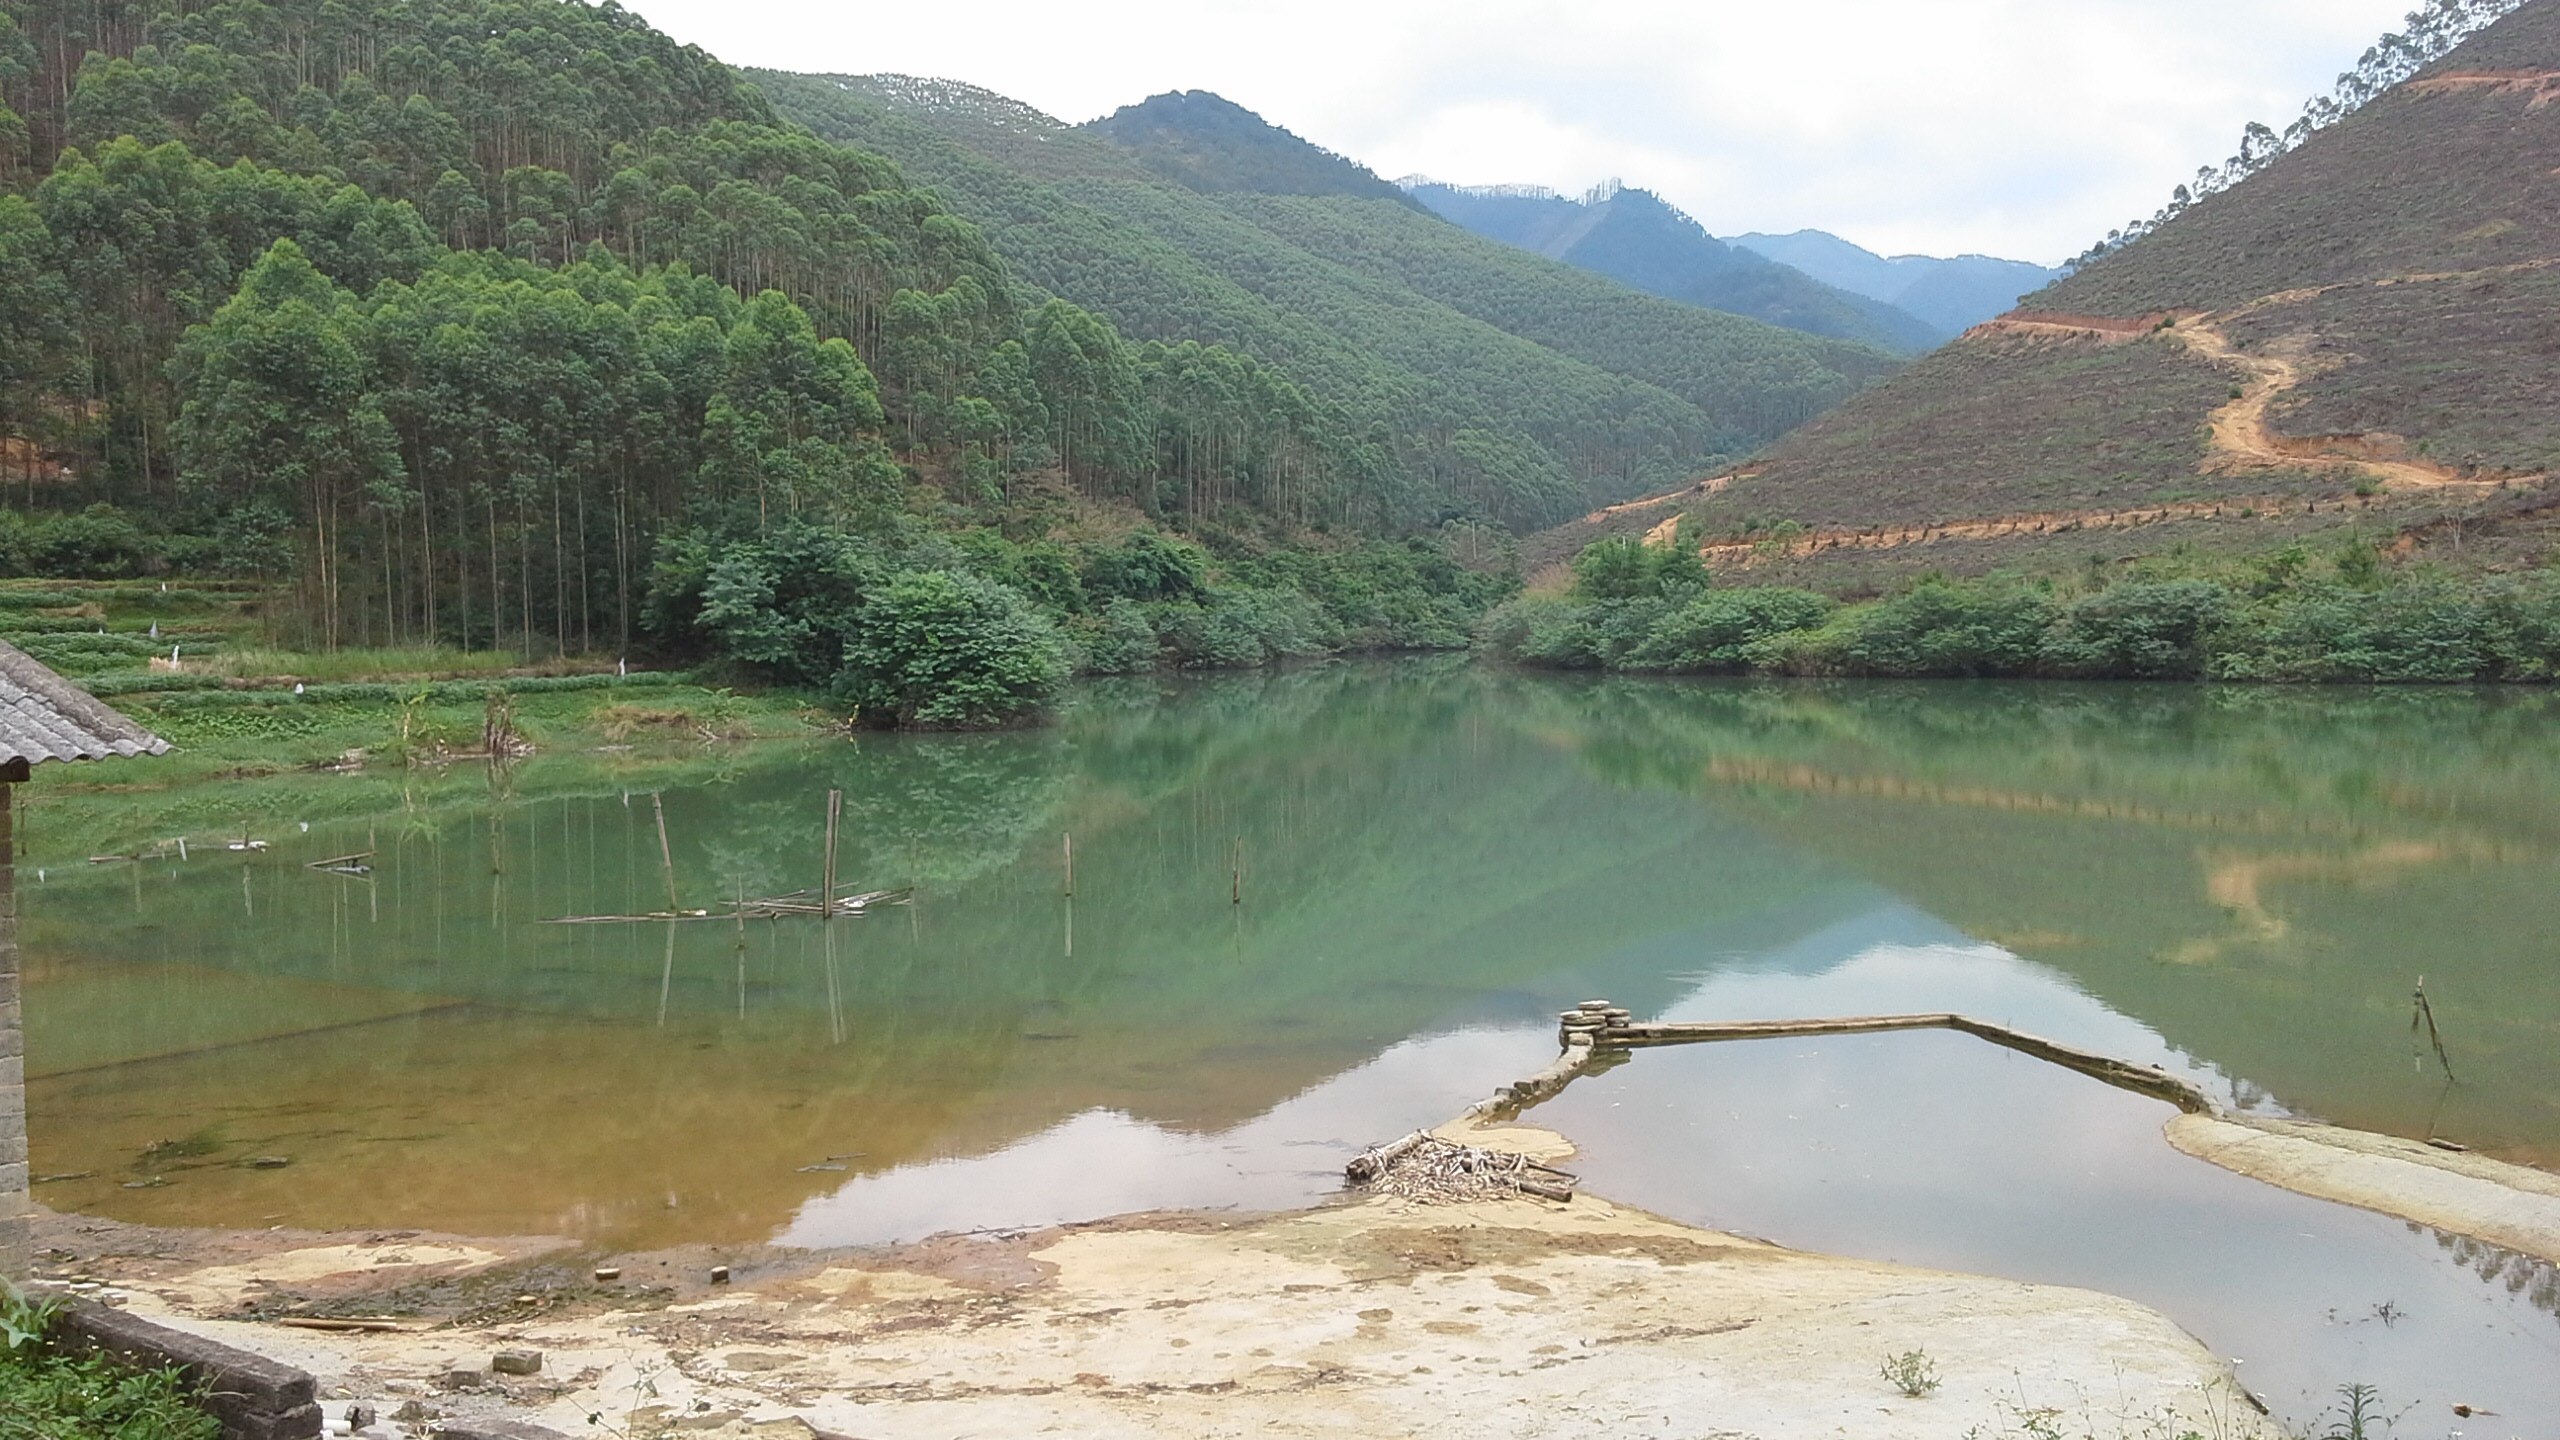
<point x="1606" y="1029"/>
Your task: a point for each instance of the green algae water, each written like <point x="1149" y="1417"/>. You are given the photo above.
<point x="1313" y="909"/>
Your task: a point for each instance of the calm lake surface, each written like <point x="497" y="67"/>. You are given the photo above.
<point x="2243" y="885"/>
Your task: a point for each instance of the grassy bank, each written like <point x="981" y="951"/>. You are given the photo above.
<point x="352" y="731"/>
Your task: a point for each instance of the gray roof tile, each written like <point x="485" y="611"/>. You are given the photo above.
<point x="45" y="717"/>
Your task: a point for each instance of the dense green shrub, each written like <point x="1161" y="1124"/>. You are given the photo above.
<point x="2140" y="630"/>
<point x="1725" y="632"/>
<point x="944" y="649"/>
<point x="1385" y="595"/>
<point x="784" y="604"/>
<point x="1624" y="569"/>
<point x="1941" y="628"/>
<point x="2431" y="630"/>
<point x="1547" y="631"/>
<point x="1120" y="640"/>
<point x="2524" y="628"/>
<point x="1044" y="571"/>
<point x="1147" y="566"/>
<point x="99" y="541"/>
<point x="1246" y="626"/>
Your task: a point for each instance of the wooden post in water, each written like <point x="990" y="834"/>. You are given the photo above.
<point x="1235" y="872"/>
<point x="666" y="855"/>
<point x="1069" y="844"/>
<point x="827" y="887"/>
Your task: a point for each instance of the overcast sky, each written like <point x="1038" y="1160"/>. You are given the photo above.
<point x="2023" y="128"/>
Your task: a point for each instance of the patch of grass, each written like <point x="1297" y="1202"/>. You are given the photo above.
<point x="47" y="1395"/>
<point x="404" y="663"/>
<point x="720" y="718"/>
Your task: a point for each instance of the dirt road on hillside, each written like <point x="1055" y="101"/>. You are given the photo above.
<point x="2243" y="440"/>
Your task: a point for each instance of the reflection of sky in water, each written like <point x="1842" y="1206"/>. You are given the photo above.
<point x="1104" y="1163"/>
<point x="1927" y="1148"/>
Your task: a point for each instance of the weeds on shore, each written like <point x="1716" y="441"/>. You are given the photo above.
<point x="2357" y="1414"/>
<point x="1912" y="1372"/>
<point x="45" y="1395"/>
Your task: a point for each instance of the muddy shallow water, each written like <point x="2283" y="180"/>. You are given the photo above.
<point x="2244" y="885"/>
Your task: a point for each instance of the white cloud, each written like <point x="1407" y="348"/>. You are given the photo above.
<point x="2019" y="127"/>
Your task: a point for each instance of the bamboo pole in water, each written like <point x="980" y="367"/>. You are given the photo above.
<point x="666" y="854"/>
<point x="1069" y="843"/>
<point x="827" y="890"/>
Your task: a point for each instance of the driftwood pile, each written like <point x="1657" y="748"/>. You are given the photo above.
<point x="805" y="902"/>
<point x="798" y="902"/>
<point x="1442" y="1172"/>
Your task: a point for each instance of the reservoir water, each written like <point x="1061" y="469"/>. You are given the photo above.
<point x="1431" y="859"/>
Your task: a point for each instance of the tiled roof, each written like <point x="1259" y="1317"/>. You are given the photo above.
<point x="45" y="717"/>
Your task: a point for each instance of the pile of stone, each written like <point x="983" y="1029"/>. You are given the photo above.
<point x="1596" y="1021"/>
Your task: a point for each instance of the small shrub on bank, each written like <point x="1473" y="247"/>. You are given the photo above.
<point x="1248" y="627"/>
<point x="1121" y="640"/>
<point x="1546" y="631"/>
<point x="941" y="649"/>
<point x="1625" y="569"/>
<point x="1726" y="632"/>
<point x="1939" y="628"/>
<point x="2430" y="631"/>
<point x="2141" y="630"/>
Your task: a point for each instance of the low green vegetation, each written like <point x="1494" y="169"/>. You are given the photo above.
<point x="935" y="629"/>
<point x="48" y="1395"/>
<point x="2289" y="616"/>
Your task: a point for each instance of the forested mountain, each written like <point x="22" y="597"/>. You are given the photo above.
<point x="2351" y="345"/>
<point x="457" y="313"/>
<point x="1466" y="375"/>
<point x="1211" y="143"/>
<point x="1639" y="239"/>
<point x="1953" y="295"/>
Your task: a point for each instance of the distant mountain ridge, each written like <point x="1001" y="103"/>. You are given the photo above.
<point x="1474" y="378"/>
<point x="1212" y="144"/>
<point x="1639" y="239"/>
<point x="1953" y="294"/>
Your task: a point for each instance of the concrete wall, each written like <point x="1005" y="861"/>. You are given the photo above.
<point x="15" y="1254"/>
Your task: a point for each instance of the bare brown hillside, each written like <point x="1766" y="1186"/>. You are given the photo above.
<point x="2365" y="336"/>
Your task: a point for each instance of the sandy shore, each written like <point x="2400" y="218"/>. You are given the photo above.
<point x="2511" y="1206"/>
<point x="1378" y="1317"/>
